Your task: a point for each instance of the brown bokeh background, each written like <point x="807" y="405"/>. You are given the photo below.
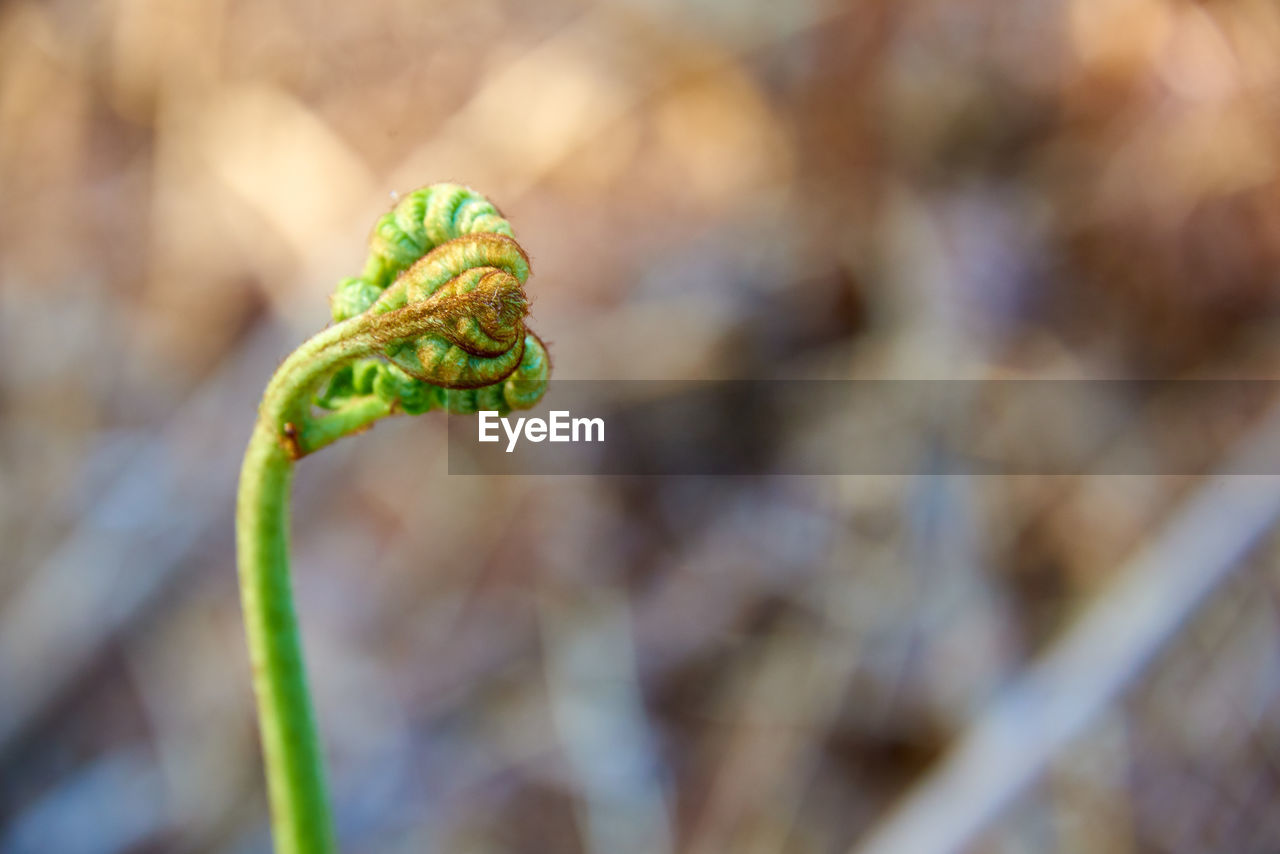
<point x="913" y="189"/>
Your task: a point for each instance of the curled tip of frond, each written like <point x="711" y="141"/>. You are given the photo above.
<point x="445" y="277"/>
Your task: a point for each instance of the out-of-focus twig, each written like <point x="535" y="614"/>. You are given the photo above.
<point x="1010" y="744"/>
<point x="596" y="703"/>
<point x="124" y="553"/>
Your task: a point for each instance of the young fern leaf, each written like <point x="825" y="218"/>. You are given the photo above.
<point x="435" y="321"/>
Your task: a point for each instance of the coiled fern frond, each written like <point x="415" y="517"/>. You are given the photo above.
<point x="436" y="320"/>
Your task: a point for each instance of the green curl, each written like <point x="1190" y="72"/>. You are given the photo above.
<point x="420" y="221"/>
<point x="438" y="242"/>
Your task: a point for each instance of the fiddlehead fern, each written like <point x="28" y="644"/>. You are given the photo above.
<point x="434" y="321"/>
<point x="441" y="243"/>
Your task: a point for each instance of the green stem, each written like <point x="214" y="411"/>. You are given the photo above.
<point x="300" y="815"/>
<point x="350" y="418"/>
<point x="300" y="819"/>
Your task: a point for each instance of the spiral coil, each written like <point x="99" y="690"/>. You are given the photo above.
<point x="447" y="250"/>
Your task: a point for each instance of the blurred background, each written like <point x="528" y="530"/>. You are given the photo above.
<point x="911" y="189"/>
